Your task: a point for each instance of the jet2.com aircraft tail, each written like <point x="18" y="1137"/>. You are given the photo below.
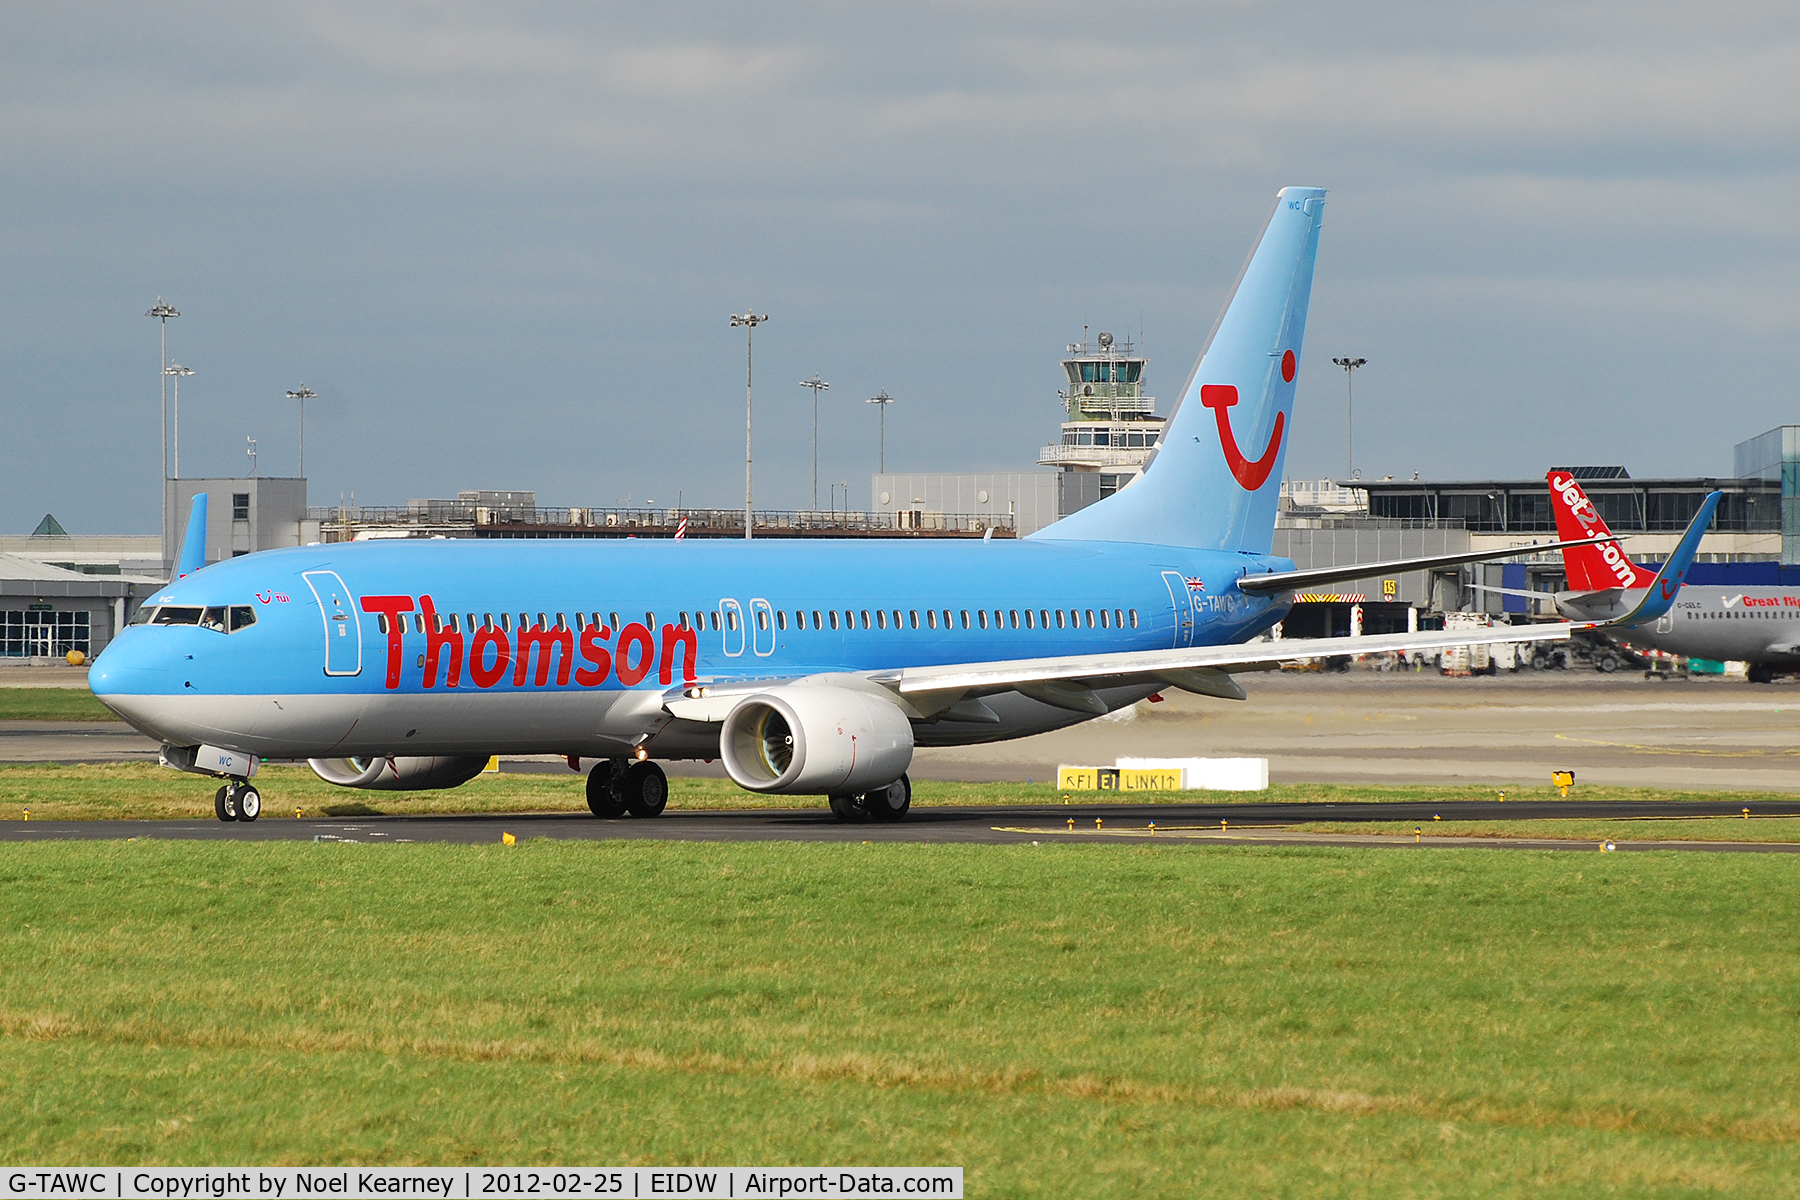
<point x="1214" y="481"/>
<point x="1599" y="567"/>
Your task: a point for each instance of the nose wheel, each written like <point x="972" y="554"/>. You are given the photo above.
<point x="237" y="801"/>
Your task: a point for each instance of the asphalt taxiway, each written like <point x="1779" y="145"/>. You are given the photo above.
<point x="969" y="824"/>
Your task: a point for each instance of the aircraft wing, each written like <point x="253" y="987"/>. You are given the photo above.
<point x="1174" y="666"/>
<point x="1289" y="581"/>
<point x="1068" y="681"/>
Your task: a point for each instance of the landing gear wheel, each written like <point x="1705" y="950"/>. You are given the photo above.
<point x="645" y="789"/>
<point x="225" y="804"/>
<point x="249" y="803"/>
<point x="891" y="802"/>
<point x="602" y="791"/>
<point x="849" y="808"/>
<point x="1760" y="674"/>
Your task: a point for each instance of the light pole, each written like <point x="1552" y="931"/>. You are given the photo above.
<point x="302" y="394"/>
<point x="177" y="370"/>
<point x="1349" y="365"/>
<point x="162" y="311"/>
<point x="250" y="449"/>
<point x="749" y="320"/>
<point x="881" y="400"/>
<point x="817" y="385"/>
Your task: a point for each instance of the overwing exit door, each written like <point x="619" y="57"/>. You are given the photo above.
<point x="343" y="632"/>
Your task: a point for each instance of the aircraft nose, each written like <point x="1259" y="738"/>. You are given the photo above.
<point x="131" y="677"/>
<point x="130" y="665"/>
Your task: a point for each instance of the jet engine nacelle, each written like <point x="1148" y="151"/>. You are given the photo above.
<point x="801" y="740"/>
<point x="417" y="774"/>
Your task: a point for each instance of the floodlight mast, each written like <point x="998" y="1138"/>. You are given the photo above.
<point x="1349" y="365"/>
<point x="881" y="400"/>
<point x="162" y="311"/>
<point x="817" y="385"/>
<point x="302" y="394"/>
<point x="176" y="370"/>
<point x="749" y="320"/>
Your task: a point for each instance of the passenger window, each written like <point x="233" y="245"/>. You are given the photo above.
<point x="381" y="622"/>
<point x="981" y="616"/>
<point x="1059" y="618"/>
<point x="649" y="620"/>
<point x="1118" y="619"/>
<point x="1103" y="623"/>
<point x="914" y="614"/>
<point x="865" y="615"/>
<point x="947" y="621"/>
<point x="1014" y="618"/>
<point x="1090" y="618"/>
<point x="762" y="621"/>
<point x="931" y="618"/>
<point x="965" y="618"/>
<point x="615" y="620"/>
<point x="781" y="618"/>
<point x="731" y="620"/>
<point x="1134" y="623"/>
<point x="880" y="619"/>
<point x="849" y="619"/>
<point x="999" y="619"/>
<point x="898" y="624"/>
<point x="1028" y="623"/>
<point x="712" y="619"/>
<point x="816" y="622"/>
<point x="242" y="617"/>
<point x="834" y="623"/>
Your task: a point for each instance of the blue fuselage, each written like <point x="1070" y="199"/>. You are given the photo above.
<point x="444" y="646"/>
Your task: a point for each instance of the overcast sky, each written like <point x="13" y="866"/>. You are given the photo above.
<point x="502" y="242"/>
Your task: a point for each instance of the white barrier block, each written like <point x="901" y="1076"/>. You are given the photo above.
<point x="1209" y="774"/>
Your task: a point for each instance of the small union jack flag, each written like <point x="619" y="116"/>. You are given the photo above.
<point x="1199" y="585"/>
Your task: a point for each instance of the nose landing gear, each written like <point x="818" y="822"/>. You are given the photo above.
<point x="237" y="801"/>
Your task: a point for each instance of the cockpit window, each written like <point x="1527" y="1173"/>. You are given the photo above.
<point x="221" y="618"/>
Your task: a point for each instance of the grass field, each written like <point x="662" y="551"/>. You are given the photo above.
<point x="141" y="790"/>
<point x="52" y="704"/>
<point x="1060" y="1020"/>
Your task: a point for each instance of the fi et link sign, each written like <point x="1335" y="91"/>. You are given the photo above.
<point x="462" y="1183"/>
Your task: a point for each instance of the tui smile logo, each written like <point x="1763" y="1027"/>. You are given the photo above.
<point x="1250" y="475"/>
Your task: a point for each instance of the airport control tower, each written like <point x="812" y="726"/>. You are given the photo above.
<point x="1112" y="426"/>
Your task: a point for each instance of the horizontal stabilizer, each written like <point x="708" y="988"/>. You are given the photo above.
<point x="1289" y="581"/>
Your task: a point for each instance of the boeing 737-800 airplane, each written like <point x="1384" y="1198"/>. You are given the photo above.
<point x="1756" y="625"/>
<point x="808" y="667"/>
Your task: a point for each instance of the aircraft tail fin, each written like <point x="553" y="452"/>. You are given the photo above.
<point x="1594" y="568"/>
<point x="193" y="546"/>
<point x="1214" y="481"/>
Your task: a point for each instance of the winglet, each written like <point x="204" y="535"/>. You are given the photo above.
<point x="193" y="547"/>
<point x="1659" y="597"/>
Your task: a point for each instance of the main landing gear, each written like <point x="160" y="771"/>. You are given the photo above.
<point x="620" y="786"/>
<point x="890" y="803"/>
<point x="237" y="801"/>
